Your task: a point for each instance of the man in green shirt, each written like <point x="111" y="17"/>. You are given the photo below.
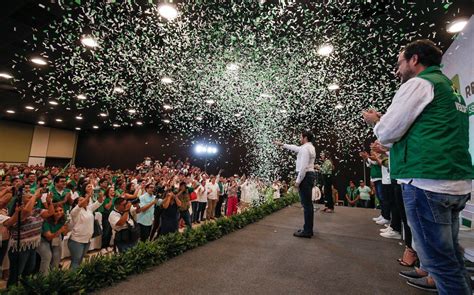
<point x="61" y="195"/>
<point x="364" y="195"/>
<point x="352" y="194"/>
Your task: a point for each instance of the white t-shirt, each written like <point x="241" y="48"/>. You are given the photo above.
<point x="201" y="194"/>
<point x="212" y="191"/>
<point x="364" y="192"/>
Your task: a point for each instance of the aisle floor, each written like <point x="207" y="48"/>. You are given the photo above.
<point x="346" y="256"/>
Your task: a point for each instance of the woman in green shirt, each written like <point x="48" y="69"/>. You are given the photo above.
<point x="105" y="209"/>
<point x="52" y="233"/>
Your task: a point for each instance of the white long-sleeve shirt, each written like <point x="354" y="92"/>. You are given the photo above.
<point x="306" y="155"/>
<point x="408" y="103"/>
<point x="83" y="222"/>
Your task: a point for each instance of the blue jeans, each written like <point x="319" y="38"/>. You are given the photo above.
<point x="434" y="222"/>
<point x="78" y="251"/>
<point x="305" y="191"/>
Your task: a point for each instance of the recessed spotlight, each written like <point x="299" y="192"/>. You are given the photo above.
<point x="232" y="67"/>
<point x="457" y="26"/>
<point x="333" y="87"/>
<point x="167" y="107"/>
<point x="118" y="90"/>
<point x="81" y="97"/>
<point x="166" y="80"/>
<point x="139" y="123"/>
<point x="282" y="111"/>
<point x="41" y="122"/>
<point x="39" y="61"/>
<point x="5" y="76"/>
<point x="116" y="125"/>
<point x="89" y="41"/>
<point x="325" y="50"/>
<point x="199" y="118"/>
<point x="168" y="11"/>
<point x="103" y="115"/>
<point x="132" y="111"/>
<point x="95" y="127"/>
<point x="10" y="111"/>
<point x="166" y="121"/>
<point x="78" y="128"/>
<point x="339" y="106"/>
<point x="59" y="120"/>
<point x="29" y="107"/>
<point x="79" y="117"/>
<point x="53" y="102"/>
<point x="210" y="101"/>
<point x="238" y="115"/>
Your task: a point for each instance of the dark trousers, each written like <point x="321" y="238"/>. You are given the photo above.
<point x="106" y="231"/>
<point x="327" y="182"/>
<point x="391" y="202"/>
<point x="145" y="231"/>
<point x="186" y="217"/>
<point x="22" y="263"/>
<point x="363" y="203"/>
<point x="123" y="246"/>
<point x="305" y="191"/>
<point x="195" y="208"/>
<point x="403" y="216"/>
<point x="219" y="205"/>
<point x="201" y="210"/>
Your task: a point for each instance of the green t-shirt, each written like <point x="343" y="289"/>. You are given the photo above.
<point x="58" y="197"/>
<point x="51" y="227"/>
<point x="352" y="193"/>
<point x="102" y="208"/>
<point x="364" y="192"/>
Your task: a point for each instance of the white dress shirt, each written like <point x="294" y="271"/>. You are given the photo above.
<point x="304" y="159"/>
<point x="408" y="103"/>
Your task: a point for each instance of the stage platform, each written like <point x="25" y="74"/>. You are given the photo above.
<point x="346" y="256"/>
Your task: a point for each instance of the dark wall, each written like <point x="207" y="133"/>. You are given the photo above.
<point x="124" y="148"/>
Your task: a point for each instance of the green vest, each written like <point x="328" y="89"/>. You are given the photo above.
<point x="436" y="146"/>
<point x="375" y="171"/>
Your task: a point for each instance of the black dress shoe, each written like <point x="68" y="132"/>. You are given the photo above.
<point x="301" y="231"/>
<point x="411" y="274"/>
<point x="301" y="234"/>
<point x="422" y="284"/>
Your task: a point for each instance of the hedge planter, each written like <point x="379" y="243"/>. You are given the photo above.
<point x="102" y="271"/>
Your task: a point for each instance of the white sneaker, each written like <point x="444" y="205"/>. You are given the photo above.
<point x="383" y="221"/>
<point x="377" y="218"/>
<point x="391" y="235"/>
<point x="386" y="229"/>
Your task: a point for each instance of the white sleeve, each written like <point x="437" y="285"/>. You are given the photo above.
<point x="408" y="103"/>
<point x="94" y="206"/>
<point x="304" y="160"/>
<point x="113" y="219"/>
<point x="292" y="147"/>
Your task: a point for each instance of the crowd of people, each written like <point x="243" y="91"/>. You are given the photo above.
<point x="40" y="207"/>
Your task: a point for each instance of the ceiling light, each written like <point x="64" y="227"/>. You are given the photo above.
<point x="457" y="26"/>
<point x="103" y="115"/>
<point x="132" y="111"/>
<point x="238" y="115"/>
<point x="166" y="80"/>
<point x="89" y="42"/>
<point x="79" y="117"/>
<point x="282" y="111"/>
<point x="5" y="76"/>
<point x="232" y="67"/>
<point x="116" y="125"/>
<point x="53" y="102"/>
<point x="166" y="121"/>
<point x="167" y="107"/>
<point x="41" y="122"/>
<point x="10" y="111"/>
<point x="210" y="101"/>
<point x="118" y="89"/>
<point x="29" y="108"/>
<point x="168" y="11"/>
<point x="339" y="106"/>
<point x="95" y="127"/>
<point x="325" y="50"/>
<point x="333" y="87"/>
<point x="39" y="61"/>
<point x="139" y="123"/>
<point x="81" y="97"/>
<point x="266" y="95"/>
<point x="199" y="118"/>
<point x="78" y="128"/>
<point x="59" y="120"/>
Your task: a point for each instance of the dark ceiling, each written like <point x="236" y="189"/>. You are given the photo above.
<point x="24" y="21"/>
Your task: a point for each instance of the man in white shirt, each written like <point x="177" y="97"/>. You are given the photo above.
<point x="212" y="189"/>
<point x="427" y="130"/>
<point x="305" y="158"/>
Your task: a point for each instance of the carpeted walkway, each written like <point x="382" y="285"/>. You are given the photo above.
<point x="346" y="256"/>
